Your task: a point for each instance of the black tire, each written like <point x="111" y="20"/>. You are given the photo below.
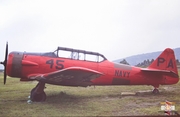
<point x="32" y="91"/>
<point x="37" y="97"/>
<point x="155" y="91"/>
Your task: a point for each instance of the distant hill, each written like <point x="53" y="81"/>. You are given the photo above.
<point x="134" y="60"/>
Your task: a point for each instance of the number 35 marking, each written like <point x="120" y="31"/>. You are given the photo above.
<point x="58" y="63"/>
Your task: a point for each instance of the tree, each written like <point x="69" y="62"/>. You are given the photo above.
<point x="124" y="62"/>
<point x="145" y="63"/>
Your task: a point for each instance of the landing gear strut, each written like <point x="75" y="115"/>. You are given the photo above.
<point x="37" y="93"/>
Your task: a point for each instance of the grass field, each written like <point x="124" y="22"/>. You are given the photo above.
<point x="79" y="101"/>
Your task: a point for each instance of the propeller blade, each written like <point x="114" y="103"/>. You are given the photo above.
<point x="5" y="63"/>
<point x="6" y="53"/>
<point x="5" y="75"/>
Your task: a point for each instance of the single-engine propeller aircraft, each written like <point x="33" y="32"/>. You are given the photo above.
<point x="74" y="67"/>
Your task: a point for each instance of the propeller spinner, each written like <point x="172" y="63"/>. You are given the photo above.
<point x="5" y="63"/>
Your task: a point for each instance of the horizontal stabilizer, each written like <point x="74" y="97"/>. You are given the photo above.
<point x="162" y="72"/>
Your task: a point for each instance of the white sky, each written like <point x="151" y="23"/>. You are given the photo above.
<point x="115" y="28"/>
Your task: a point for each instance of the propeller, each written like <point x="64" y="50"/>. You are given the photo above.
<point x="5" y="63"/>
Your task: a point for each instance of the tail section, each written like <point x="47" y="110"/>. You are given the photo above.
<point x="165" y="61"/>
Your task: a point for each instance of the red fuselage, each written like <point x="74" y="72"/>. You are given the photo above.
<point x="21" y="65"/>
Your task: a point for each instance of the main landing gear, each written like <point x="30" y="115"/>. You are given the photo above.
<point x="37" y="93"/>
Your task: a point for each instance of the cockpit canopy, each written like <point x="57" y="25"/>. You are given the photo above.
<point x="79" y="54"/>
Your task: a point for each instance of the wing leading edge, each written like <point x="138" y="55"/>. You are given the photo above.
<point x="72" y="76"/>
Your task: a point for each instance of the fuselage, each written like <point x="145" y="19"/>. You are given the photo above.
<point x="22" y="64"/>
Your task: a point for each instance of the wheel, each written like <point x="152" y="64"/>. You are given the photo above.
<point x="32" y="91"/>
<point x="37" y="97"/>
<point x="155" y="91"/>
<point x="37" y="93"/>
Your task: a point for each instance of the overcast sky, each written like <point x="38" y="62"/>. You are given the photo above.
<point x="115" y="28"/>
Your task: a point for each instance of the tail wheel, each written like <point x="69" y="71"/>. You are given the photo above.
<point x="155" y="91"/>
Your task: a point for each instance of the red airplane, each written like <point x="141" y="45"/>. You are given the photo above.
<point x="73" y="67"/>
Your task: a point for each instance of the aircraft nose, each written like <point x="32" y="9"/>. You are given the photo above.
<point x="14" y="64"/>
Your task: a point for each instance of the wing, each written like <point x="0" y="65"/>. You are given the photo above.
<point x="161" y="72"/>
<point x="72" y="76"/>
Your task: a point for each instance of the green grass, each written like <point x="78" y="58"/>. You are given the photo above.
<point x="79" y="101"/>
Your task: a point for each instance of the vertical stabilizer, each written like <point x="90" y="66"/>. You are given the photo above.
<point x="165" y="61"/>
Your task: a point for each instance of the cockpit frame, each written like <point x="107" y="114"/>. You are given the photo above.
<point x="75" y="54"/>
